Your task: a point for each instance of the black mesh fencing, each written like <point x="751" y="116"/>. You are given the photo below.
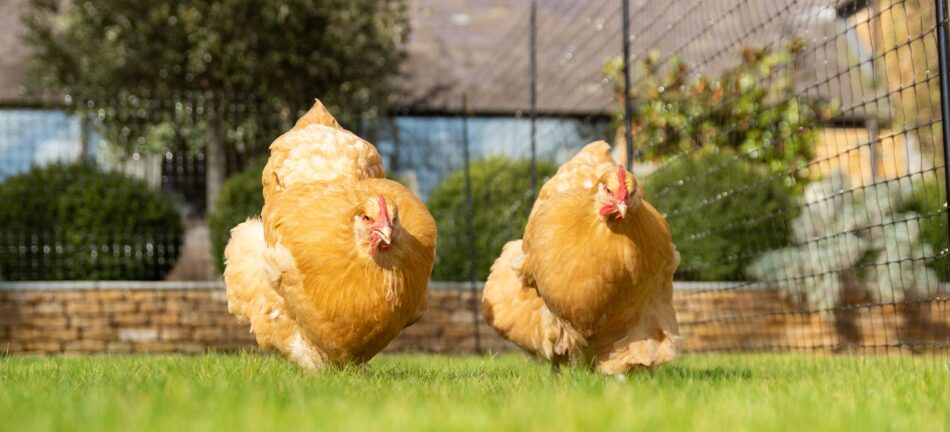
<point x="795" y="148"/>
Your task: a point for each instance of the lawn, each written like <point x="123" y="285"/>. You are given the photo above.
<point x="262" y="393"/>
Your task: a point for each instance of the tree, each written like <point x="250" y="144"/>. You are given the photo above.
<point x="171" y="73"/>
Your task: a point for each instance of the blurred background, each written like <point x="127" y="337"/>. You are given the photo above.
<point x="795" y="147"/>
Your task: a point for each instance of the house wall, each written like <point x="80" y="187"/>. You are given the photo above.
<point x="849" y="150"/>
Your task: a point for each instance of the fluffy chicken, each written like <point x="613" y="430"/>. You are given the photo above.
<point x="592" y="281"/>
<point x="339" y="262"/>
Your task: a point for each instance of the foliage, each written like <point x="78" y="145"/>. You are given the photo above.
<point x="846" y="234"/>
<point x="174" y="75"/>
<point x="500" y="189"/>
<point x="929" y="201"/>
<point x="343" y="51"/>
<point x="76" y="222"/>
<point x="255" y="392"/>
<point x="750" y="108"/>
<point x="240" y="198"/>
<point x="721" y="210"/>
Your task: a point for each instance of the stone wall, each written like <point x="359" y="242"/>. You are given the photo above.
<point x="118" y="321"/>
<point x="186" y="317"/>
<point x="137" y="317"/>
<point x="760" y="320"/>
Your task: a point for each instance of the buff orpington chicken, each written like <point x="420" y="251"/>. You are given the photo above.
<point x="339" y="262"/>
<point x="591" y="282"/>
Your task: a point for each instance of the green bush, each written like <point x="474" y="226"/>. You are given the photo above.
<point x="240" y="197"/>
<point x="928" y="201"/>
<point x="500" y="190"/>
<point x="64" y="222"/>
<point x="722" y="212"/>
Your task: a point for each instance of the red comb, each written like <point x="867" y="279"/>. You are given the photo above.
<point x="622" y="176"/>
<point x="383" y="217"/>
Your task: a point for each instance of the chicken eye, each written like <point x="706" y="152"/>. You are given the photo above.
<point x="366" y="219"/>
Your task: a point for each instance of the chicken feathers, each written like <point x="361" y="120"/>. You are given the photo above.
<point x="317" y="149"/>
<point x="253" y="300"/>
<point x="600" y="260"/>
<point x="581" y="172"/>
<point x="350" y="304"/>
<point x="340" y="260"/>
<point x="519" y="313"/>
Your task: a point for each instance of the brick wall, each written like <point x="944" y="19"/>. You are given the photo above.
<point x="136" y="317"/>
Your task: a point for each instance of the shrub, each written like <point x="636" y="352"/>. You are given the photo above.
<point x="862" y="239"/>
<point x="722" y="212"/>
<point x="67" y="221"/>
<point x="500" y="191"/>
<point x="928" y="200"/>
<point x="240" y="197"/>
<point x="751" y="108"/>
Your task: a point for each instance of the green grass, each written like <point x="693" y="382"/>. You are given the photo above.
<point x="261" y="393"/>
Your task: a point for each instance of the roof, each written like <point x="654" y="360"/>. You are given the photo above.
<point x="15" y="52"/>
<point x="481" y="48"/>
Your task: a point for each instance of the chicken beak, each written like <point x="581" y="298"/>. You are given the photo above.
<point x="385" y="234"/>
<point x="621" y="210"/>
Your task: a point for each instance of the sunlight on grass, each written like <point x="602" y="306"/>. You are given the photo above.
<point x="261" y="392"/>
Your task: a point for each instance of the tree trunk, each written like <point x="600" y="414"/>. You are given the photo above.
<point x="394" y="158"/>
<point x="85" y="136"/>
<point x="214" y="157"/>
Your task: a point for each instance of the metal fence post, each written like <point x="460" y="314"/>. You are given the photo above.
<point x="534" y="101"/>
<point x="941" y="13"/>
<point x="470" y="209"/>
<point x="627" y="105"/>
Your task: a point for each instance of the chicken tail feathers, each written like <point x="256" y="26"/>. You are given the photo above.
<point x="253" y="300"/>
<point x="244" y="274"/>
<point x="519" y="314"/>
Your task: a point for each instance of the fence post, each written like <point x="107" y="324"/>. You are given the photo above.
<point x="941" y="13"/>
<point x="470" y="209"/>
<point x="534" y="102"/>
<point x="627" y="106"/>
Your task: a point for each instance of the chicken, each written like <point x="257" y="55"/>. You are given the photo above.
<point x="317" y="149"/>
<point x="339" y="262"/>
<point x="592" y="281"/>
<point x="581" y="172"/>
